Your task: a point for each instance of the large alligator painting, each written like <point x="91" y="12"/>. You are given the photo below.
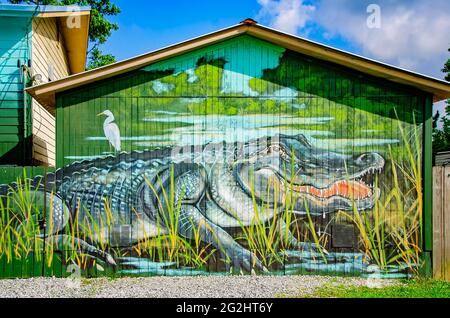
<point x="216" y="187"/>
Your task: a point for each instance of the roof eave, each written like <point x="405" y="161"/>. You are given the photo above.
<point x="438" y="88"/>
<point x="76" y="41"/>
<point x="75" y="32"/>
<point x="24" y="10"/>
<point x="61" y="14"/>
<point x="45" y="93"/>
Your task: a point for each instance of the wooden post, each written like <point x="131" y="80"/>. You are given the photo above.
<point x="437" y="222"/>
<point x="446" y="221"/>
<point x="441" y="223"/>
<point x="427" y="221"/>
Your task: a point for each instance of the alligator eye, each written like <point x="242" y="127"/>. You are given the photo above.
<point x="365" y="158"/>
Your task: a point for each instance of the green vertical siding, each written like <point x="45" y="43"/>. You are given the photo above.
<point x="14" y="47"/>
<point x="261" y="78"/>
<point x="246" y="88"/>
<point x="360" y="146"/>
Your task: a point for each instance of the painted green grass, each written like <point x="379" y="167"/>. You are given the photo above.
<point x="419" y="288"/>
<point x="387" y="238"/>
<point x="390" y="233"/>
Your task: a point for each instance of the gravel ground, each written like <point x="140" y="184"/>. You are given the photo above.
<point x="176" y="287"/>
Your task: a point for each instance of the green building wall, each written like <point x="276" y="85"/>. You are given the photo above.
<point x="262" y="78"/>
<point x="245" y="88"/>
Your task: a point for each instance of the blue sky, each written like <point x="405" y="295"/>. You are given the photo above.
<point x="149" y="25"/>
<point x="409" y="32"/>
<point x="412" y="34"/>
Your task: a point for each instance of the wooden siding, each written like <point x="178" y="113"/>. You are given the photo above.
<point x="345" y="148"/>
<point x="48" y="49"/>
<point x="441" y="223"/>
<point x="245" y="88"/>
<point x="437" y="89"/>
<point x="442" y="158"/>
<point x="43" y="136"/>
<point x="14" y="46"/>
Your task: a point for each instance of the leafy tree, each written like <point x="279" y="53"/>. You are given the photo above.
<point x="100" y="28"/>
<point x="441" y="137"/>
<point x="97" y="59"/>
<point x="436" y="120"/>
<point x="446" y="69"/>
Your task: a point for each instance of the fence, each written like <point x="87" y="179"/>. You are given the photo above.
<point x="441" y="222"/>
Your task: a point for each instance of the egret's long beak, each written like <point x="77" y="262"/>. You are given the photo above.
<point x="101" y="114"/>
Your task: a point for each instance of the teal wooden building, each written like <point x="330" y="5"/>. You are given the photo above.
<point x="244" y="149"/>
<point x="37" y="45"/>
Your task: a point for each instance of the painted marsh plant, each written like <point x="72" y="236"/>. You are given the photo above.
<point x="390" y="233"/>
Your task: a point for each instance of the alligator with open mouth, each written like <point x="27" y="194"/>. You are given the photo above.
<point x="215" y="187"/>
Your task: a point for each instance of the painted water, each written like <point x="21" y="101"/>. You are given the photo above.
<point x="183" y="129"/>
<point x="300" y="262"/>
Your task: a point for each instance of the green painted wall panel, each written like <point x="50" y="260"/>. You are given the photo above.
<point x="13" y="55"/>
<point x="355" y="145"/>
<point x="10" y="138"/>
<point x="9" y="105"/>
<point x="11" y="61"/>
<point x="10" y="70"/>
<point x="11" y="173"/>
<point x="10" y="79"/>
<point x="13" y="29"/>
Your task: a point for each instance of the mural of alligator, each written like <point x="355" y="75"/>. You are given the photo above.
<point x="216" y="187"/>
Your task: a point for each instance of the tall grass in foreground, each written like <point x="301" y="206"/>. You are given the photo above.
<point x="266" y="236"/>
<point x="263" y="237"/>
<point x="391" y="233"/>
<point x="290" y="198"/>
<point x="169" y="245"/>
<point x="19" y="222"/>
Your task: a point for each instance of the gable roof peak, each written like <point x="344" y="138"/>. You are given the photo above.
<point x="248" y="21"/>
<point x="45" y="93"/>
